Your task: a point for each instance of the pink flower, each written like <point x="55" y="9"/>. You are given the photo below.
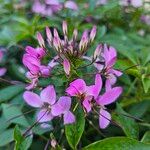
<point x="107" y="98"/>
<point x="110" y="56"/>
<point x="85" y="93"/>
<point x="49" y="108"/>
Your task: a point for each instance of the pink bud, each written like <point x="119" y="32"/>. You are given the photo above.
<point x="49" y="34"/>
<point x="75" y="34"/>
<point x="53" y="143"/>
<point x="40" y="39"/>
<point x="97" y="51"/>
<point x="56" y="33"/>
<point x="93" y="33"/>
<point x="65" y="29"/>
<point x="45" y="71"/>
<point x="66" y="65"/>
<point x="84" y="40"/>
<point x="56" y="43"/>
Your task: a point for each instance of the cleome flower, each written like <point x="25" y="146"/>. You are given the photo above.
<point x="85" y="93"/>
<point x="49" y="108"/>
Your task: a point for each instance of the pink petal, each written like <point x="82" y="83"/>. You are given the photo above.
<point x="2" y="71"/>
<point x="104" y="118"/>
<point x="76" y="87"/>
<point x="107" y="85"/>
<point x="86" y="103"/>
<point x="95" y="89"/>
<point x="112" y="78"/>
<point x="109" y="96"/>
<point x="69" y="117"/>
<point x="44" y="116"/>
<point x="117" y="72"/>
<point x="37" y="52"/>
<point x="111" y="62"/>
<point x="32" y="99"/>
<point x="48" y="95"/>
<point x="63" y="105"/>
<point x="66" y="65"/>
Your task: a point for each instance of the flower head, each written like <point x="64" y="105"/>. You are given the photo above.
<point x="85" y="93"/>
<point x="49" y="108"/>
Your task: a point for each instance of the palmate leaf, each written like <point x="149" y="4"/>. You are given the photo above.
<point x="74" y="131"/>
<point x="117" y="143"/>
<point x="129" y="126"/>
<point x="10" y="92"/>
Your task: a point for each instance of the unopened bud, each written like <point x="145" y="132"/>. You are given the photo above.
<point x="56" y="33"/>
<point x="56" y="43"/>
<point x="40" y="39"/>
<point x="93" y="33"/>
<point x="75" y="34"/>
<point x="53" y="143"/>
<point x="84" y="41"/>
<point x="49" y="35"/>
<point x="66" y="65"/>
<point x="98" y="51"/>
<point x="65" y="29"/>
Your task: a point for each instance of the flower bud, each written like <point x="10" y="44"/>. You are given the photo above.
<point x="97" y="51"/>
<point x="84" y="41"/>
<point x="64" y="27"/>
<point x="75" y="34"/>
<point x="93" y="33"/>
<point x="66" y="65"/>
<point x="49" y="35"/>
<point x="40" y="39"/>
<point x="56" y="43"/>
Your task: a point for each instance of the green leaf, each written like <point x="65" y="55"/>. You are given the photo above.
<point x="6" y="137"/>
<point x="129" y="126"/>
<point x="74" y="131"/>
<point x="117" y="143"/>
<point x="10" y="92"/>
<point x="11" y="112"/>
<point x="146" y="137"/>
<point x="18" y="137"/>
<point x="22" y="143"/>
<point x="146" y="83"/>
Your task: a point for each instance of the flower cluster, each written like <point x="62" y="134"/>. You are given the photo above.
<point x="2" y="70"/>
<point x="90" y="97"/>
<point x="50" y="7"/>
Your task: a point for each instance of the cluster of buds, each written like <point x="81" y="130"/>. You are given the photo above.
<point x="89" y="96"/>
<point x="69" y="48"/>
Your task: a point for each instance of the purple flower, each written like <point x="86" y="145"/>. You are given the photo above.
<point x="107" y="98"/>
<point x="85" y="93"/>
<point x="49" y="108"/>
<point x="109" y="55"/>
